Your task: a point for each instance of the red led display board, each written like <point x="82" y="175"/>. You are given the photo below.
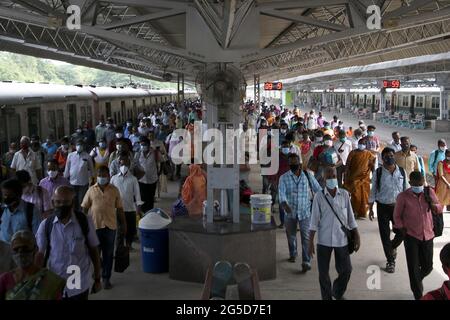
<point x="273" y="86"/>
<point x="394" y="84"/>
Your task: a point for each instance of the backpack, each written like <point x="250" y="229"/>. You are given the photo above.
<point x="438" y="219"/>
<point x="379" y="171"/>
<point x="82" y="221"/>
<point x="29" y="214"/>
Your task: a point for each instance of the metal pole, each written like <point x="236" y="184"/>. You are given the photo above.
<point x="256" y="90"/>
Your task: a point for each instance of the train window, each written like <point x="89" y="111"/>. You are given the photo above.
<point x="134" y="112"/>
<point x="419" y="102"/>
<point x="115" y="117"/>
<point x="108" y="109"/>
<point x="405" y="101"/>
<point x="72" y="108"/>
<point x="435" y="103"/>
<point x="51" y="122"/>
<point x="59" y="124"/>
<point x="143" y="103"/>
<point x="34" y="121"/>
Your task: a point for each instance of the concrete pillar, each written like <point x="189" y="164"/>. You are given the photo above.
<point x="348" y="103"/>
<point x="382" y="100"/>
<point x="308" y="97"/>
<point x="443" y="103"/>
<point x="324" y="99"/>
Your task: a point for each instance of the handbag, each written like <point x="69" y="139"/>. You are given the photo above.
<point x="349" y="233"/>
<point x="438" y="219"/>
<point x="122" y="256"/>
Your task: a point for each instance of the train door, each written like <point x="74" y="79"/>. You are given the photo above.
<point x="134" y="114"/>
<point x="122" y="111"/>
<point x="411" y="106"/>
<point x="34" y="121"/>
<point x="60" y="124"/>
<point x="373" y="104"/>
<point x="51" y="122"/>
<point x="72" y="110"/>
<point x="108" y="110"/>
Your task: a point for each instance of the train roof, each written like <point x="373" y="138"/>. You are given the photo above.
<point x="23" y="93"/>
<point x="376" y="90"/>
<point x="16" y="93"/>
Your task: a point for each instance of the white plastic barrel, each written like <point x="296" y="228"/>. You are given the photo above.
<point x="261" y="208"/>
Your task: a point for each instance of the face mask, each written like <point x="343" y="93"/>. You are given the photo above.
<point x="144" y="148"/>
<point x="79" y="148"/>
<point x="442" y="148"/>
<point x="9" y="200"/>
<point x="102" y="145"/>
<point x="129" y="124"/>
<point x="123" y="169"/>
<point x="328" y="143"/>
<point x="361" y="147"/>
<point x="65" y="146"/>
<point x="283" y="131"/>
<point x="63" y="211"/>
<point x="342" y="139"/>
<point x="285" y="151"/>
<point x="370" y="133"/>
<point x="23" y="259"/>
<point x="327" y="127"/>
<point x="52" y="174"/>
<point x="79" y="131"/>
<point x="294" y="167"/>
<point x="319" y="139"/>
<point x="119" y="135"/>
<point x="389" y="161"/>
<point x="405" y="148"/>
<point x="332" y="183"/>
<point x="119" y="147"/>
<point x="417" y="190"/>
<point x="101" y="124"/>
<point x="102" y="181"/>
<point x="108" y="125"/>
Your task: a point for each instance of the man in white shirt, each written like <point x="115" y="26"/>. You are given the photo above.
<point x="146" y="157"/>
<point x="343" y="147"/>
<point x="395" y="143"/>
<point x="312" y="121"/>
<point x="128" y="186"/>
<point x="79" y="170"/>
<point x="331" y="206"/>
<point x="26" y="159"/>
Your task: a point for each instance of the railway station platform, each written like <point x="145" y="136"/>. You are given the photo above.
<point x="290" y="284"/>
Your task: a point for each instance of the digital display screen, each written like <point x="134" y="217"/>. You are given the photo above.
<point x="273" y="86"/>
<point x="395" y="84"/>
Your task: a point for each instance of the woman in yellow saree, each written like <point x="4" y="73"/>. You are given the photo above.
<point x="28" y="281"/>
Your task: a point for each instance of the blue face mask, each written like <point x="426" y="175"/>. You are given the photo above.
<point x="102" y="181"/>
<point x="417" y="190"/>
<point x="332" y="183"/>
<point x="285" y="151"/>
<point x="370" y="133"/>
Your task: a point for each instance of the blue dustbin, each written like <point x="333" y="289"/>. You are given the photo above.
<point x="155" y="241"/>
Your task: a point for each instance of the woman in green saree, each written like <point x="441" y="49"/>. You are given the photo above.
<point x="28" y="281"/>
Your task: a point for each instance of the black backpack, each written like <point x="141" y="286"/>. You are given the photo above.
<point x="82" y="221"/>
<point x="379" y="171"/>
<point x="438" y="219"/>
<point x="29" y="213"/>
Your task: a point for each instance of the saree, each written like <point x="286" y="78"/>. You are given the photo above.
<point x="357" y="180"/>
<point x="193" y="192"/>
<point x="44" y="285"/>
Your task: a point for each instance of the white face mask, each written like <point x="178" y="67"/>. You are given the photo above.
<point x="79" y="148"/>
<point x="328" y="143"/>
<point x="119" y="147"/>
<point x="442" y="148"/>
<point x="361" y="146"/>
<point x="52" y="174"/>
<point x="119" y="135"/>
<point x="123" y="169"/>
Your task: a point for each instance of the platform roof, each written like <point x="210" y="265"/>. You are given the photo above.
<point x="273" y="38"/>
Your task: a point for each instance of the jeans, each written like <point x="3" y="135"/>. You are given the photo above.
<point x="80" y="191"/>
<point x="147" y="195"/>
<point x="419" y="258"/>
<point x="290" y="224"/>
<point x="107" y="238"/>
<point x="343" y="268"/>
<point x="130" y="218"/>
<point x="386" y="215"/>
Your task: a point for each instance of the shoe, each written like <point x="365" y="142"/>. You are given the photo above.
<point x="305" y="267"/>
<point x="390" y="267"/>
<point x="107" y="284"/>
<point x="292" y="259"/>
